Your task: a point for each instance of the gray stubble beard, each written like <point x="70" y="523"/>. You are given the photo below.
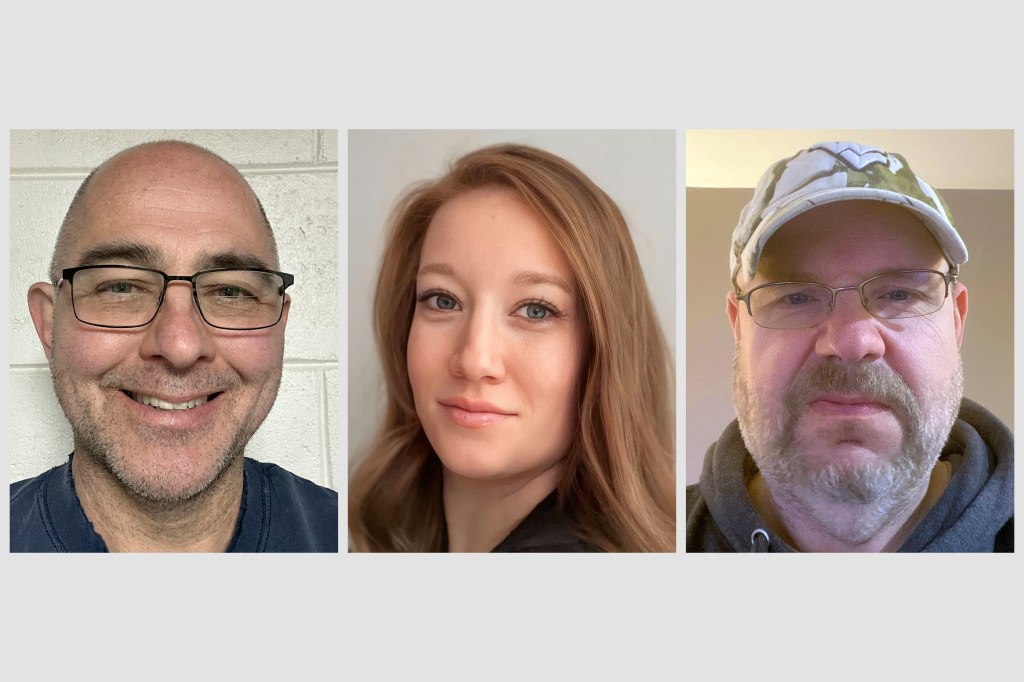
<point x="876" y="492"/>
<point x="97" y="442"/>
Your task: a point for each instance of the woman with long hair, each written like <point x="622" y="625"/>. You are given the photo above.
<point x="529" y="385"/>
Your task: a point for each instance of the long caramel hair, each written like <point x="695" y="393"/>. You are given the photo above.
<point x="618" y="478"/>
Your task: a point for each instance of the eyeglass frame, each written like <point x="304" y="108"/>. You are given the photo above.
<point x="948" y="277"/>
<point x="68" y="274"/>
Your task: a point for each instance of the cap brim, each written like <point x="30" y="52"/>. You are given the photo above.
<point x="941" y="229"/>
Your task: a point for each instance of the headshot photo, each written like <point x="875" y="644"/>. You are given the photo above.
<point x="174" y="316"/>
<point x="511" y="341"/>
<point x="849" y="369"/>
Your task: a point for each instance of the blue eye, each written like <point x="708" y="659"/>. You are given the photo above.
<point x="537" y="311"/>
<point x="444" y="302"/>
<point x="438" y="300"/>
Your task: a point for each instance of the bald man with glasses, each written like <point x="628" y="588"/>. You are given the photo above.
<point x="163" y="322"/>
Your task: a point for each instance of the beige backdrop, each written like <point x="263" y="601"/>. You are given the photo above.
<point x="977" y="187"/>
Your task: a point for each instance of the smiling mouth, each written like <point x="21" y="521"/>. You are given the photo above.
<point x="159" y="404"/>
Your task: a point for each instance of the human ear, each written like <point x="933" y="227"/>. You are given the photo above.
<point x="40" y="306"/>
<point x="959" y="311"/>
<point x="284" y="313"/>
<point x="733" y="311"/>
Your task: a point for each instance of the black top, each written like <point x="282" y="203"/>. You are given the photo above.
<point x="280" y="512"/>
<point x="547" y="528"/>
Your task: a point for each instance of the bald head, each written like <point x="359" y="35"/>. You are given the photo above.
<point x="123" y="176"/>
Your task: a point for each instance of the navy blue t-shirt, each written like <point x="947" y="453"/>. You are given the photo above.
<point x="281" y="512"/>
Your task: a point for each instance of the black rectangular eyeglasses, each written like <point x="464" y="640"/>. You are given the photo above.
<point x="123" y="297"/>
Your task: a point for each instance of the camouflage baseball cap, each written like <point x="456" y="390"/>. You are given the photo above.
<point x="837" y="171"/>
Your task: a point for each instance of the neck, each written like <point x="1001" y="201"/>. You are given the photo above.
<point x="812" y="524"/>
<point x="480" y="514"/>
<point x="128" y="522"/>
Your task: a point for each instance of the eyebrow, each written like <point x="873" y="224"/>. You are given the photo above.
<point x="437" y="269"/>
<point x="232" y="259"/>
<point x="132" y="252"/>
<point x="524" y="278"/>
<point x="144" y="255"/>
<point x="531" y="278"/>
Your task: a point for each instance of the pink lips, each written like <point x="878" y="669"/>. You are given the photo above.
<point x="472" y="413"/>
<point x="846" y="406"/>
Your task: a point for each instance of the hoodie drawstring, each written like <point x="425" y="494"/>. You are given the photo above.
<point x="759" y="541"/>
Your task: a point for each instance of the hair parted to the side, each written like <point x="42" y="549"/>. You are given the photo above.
<point x="618" y="479"/>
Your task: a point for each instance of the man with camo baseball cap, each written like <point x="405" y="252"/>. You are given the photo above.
<point x="848" y="314"/>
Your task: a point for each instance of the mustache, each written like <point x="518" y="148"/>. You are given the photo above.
<point x="872" y="380"/>
<point x="192" y="381"/>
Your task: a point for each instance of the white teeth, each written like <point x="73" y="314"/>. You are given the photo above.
<point x="164" y="405"/>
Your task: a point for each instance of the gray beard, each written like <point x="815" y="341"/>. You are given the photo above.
<point x="879" y="490"/>
<point x="97" y="440"/>
<point x="98" y="445"/>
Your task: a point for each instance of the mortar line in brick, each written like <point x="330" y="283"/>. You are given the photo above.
<point x="310" y="363"/>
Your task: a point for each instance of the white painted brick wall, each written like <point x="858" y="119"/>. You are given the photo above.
<point x="295" y="175"/>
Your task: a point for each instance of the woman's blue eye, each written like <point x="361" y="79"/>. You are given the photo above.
<point x="438" y="300"/>
<point x="536" y="311"/>
<point x="444" y="302"/>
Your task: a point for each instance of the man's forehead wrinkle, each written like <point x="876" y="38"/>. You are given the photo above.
<point x="172" y="193"/>
<point x="167" y="189"/>
<point x="227" y="202"/>
<point x="157" y="210"/>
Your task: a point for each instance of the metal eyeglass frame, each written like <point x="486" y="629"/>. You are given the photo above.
<point x="949" y="277"/>
<point x="68" y="274"/>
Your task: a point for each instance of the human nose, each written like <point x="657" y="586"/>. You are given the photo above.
<point x="478" y="351"/>
<point x="850" y="332"/>
<point x="178" y="333"/>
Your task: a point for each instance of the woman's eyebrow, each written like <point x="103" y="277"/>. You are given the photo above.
<point x="437" y="269"/>
<point x="532" y="278"/>
<point x="524" y="278"/>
